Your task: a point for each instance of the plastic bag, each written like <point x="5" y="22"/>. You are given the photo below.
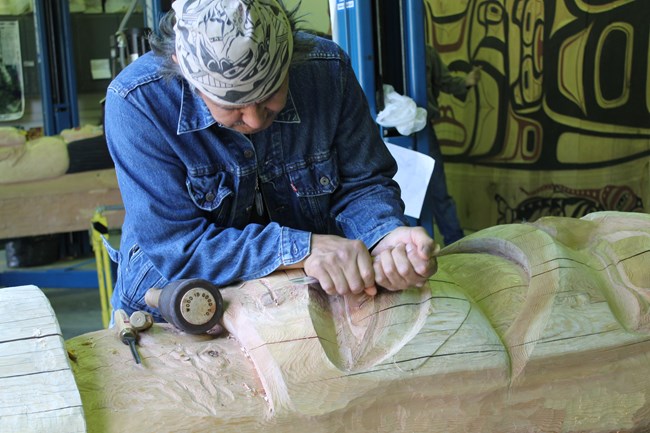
<point x="401" y="112"/>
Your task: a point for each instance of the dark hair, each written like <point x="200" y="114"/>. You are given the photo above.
<point x="163" y="43"/>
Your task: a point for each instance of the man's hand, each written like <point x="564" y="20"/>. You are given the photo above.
<point x="340" y="265"/>
<point x="405" y="258"/>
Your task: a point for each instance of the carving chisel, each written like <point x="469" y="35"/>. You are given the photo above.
<point x="127" y="333"/>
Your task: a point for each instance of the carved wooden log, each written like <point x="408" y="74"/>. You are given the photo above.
<point x="539" y="327"/>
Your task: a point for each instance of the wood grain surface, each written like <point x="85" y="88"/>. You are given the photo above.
<point x="37" y="389"/>
<point x="536" y="327"/>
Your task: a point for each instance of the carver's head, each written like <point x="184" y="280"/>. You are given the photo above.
<point x="234" y="52"/>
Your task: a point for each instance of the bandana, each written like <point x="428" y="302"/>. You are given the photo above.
<point x="236" y="52"/>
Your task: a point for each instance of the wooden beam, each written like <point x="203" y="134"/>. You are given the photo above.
<point x="37" y="389"/>
<point x="59" y="205"/>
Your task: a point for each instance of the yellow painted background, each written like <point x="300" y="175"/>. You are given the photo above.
<point x="560" y="121"/>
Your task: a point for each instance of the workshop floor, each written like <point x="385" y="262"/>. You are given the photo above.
<point x="77" y="310"/>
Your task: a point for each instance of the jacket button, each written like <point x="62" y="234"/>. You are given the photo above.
<point x="248" y="154"/>
<point x="324" y="180"/>
<point x="209" y="197"/>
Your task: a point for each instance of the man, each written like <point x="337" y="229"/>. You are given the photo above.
<point x="440" y="80"/>
<point x="242" y="147"/>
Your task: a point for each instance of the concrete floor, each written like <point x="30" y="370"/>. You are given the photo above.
<point x="77" y="310"/>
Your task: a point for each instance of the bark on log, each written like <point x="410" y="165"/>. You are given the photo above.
<point x="541" y="327"/>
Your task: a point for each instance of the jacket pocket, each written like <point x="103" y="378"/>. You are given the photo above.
<point x="212" y="193"/>
<point x="314" y="184"/>
<point x="314" y="179"/>
<point x="136" y="275"/>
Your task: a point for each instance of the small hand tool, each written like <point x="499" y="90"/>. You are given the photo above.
<point x="127" y="333"/>
<point x="193" y="305"/>
<point x="304" y="280"/>
<point x="141" y="320"/>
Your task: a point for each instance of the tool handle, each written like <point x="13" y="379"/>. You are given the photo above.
<point x="193" y="305"/>
<point x="152" y="297"/>
<point x="126" y="332"/>
<point x="123" y="326"/>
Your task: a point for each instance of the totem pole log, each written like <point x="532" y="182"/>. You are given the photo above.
<point x="535" y="327"/>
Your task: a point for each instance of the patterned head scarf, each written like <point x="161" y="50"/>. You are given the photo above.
<point x="236" y="52"/>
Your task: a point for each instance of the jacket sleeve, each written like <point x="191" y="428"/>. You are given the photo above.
<point x="368" y="205"/>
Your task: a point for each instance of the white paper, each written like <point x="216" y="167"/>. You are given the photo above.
<point x="414" y="170"/>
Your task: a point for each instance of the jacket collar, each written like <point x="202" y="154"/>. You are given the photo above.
<point x="194" y="114"/>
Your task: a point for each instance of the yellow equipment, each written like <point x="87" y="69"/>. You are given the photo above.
<point x="99" y="235"/>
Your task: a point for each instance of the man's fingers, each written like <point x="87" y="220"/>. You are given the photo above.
<point x="365" y="274"/>
<point x="344" y="265"/>
<point x="380" y="277"/>
<point x="371" y="291"/>
<point x="326" y="283"/>
<point x="405" y="258"/>
<point x="391" y="264"/>
<point x="422" y="266"/>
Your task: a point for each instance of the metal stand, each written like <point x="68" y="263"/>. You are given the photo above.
<point x="386" y="43"/>
<point x="56" y="65"/>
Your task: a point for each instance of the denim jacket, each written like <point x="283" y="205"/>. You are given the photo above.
<point x="189" y="185"/>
